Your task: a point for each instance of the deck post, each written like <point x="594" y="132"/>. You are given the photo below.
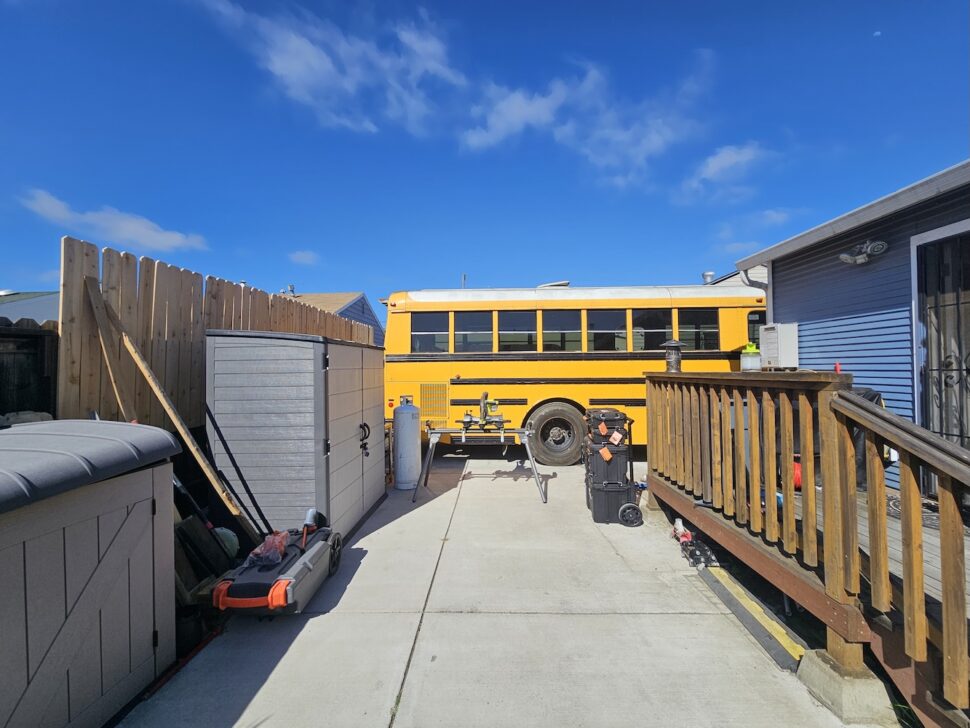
<point x="848" y="655"/>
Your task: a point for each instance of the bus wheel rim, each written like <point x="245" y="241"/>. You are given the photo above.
<point x="557" y="434"/>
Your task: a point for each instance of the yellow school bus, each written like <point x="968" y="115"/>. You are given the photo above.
<point x="548" y="353"/>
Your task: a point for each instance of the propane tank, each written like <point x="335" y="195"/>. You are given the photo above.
<point x="407" y="444"/>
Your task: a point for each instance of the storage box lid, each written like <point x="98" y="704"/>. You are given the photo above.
<point x="42" y="459"/>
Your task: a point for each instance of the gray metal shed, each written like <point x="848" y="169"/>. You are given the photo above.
<point x="87" y="578"/>
<point x="303" y="418"/>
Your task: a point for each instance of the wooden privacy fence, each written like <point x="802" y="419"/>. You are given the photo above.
<point x="773" y="457"/>
<point x="167" y="311"/>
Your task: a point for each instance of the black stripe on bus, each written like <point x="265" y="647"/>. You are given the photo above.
<point x="619" y="402"/>
<point x="474" y="402"/>
<point x="556" y="380"/>
<point x="562" y="356"/>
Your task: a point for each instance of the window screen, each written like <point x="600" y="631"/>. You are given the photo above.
<point x="473" y="330"/>
<point x="516" y="330"/>
<point x="651" y="328"/>
<point x="606" y="330"/>
<point x="756" y="319"/>
<point x="429" y="332"/>
<point x="562" y="331"/>
<point x="698" y="329"/>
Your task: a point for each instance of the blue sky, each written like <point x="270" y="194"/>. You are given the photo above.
<point x="386" y="146"/>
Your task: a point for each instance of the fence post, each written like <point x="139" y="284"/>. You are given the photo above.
<point x="834" y="510"/>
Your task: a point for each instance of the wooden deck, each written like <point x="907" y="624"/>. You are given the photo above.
<point x="931" y="547"/>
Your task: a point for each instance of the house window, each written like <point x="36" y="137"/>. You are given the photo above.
<point x="429" y="332"/>
<point x="606" y="330"/>
<point x="651" y="328"/>
<point x="516" y="330"/>
<point x="698" y="329"/>
<point x="756" y="319"/>
<point x="473" y="331"/>
<point x="562" y="331"/>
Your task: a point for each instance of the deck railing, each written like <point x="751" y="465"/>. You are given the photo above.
<point x="740" y="451"/>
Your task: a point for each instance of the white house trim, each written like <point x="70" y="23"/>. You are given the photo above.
<point x="930" y="236"/>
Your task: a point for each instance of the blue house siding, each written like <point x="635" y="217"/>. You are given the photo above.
<point x="861" y="315"/>
<point x="360" y="310"/>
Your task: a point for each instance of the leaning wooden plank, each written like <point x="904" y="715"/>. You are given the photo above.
<point x="210" y="473"/>
<point x="914" y="605"/>
<point x="69" y="354"/>
<point x="953" y="567"/>
<point x="108" y="340"/>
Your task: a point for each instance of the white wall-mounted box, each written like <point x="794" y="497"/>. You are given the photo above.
<point x="779" y="346"/>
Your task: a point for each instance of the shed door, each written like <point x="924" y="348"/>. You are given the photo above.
<point x="344" y="417"/>
<point x="87" y="609"/>
<point x="944" y="305"/>
<point x="373" y="414"/>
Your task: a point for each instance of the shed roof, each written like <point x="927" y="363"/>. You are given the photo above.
<point x="925" y="189"/>
<point x="333" y="302"/>
<point x="43" y="459"/>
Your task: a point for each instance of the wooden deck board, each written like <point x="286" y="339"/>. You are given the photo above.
<point x="931" y="546"/>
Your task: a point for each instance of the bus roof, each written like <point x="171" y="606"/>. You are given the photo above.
<point x="457" y="295"/>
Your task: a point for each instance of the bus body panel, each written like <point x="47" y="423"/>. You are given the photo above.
<point x="446" y="385"/>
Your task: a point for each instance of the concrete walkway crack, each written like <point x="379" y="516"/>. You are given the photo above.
<point x="427" y="597"/>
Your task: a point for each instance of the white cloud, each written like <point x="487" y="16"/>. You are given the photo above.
<point x="772" y="217"/>
<point x="719" y="177"/>
<point x="508" y="112"/>
<point x="348" y="81"/>
<point x="109" y="225"/>
<point x="304" y="257"/>
<point x="617" y="136"/>
<point x="744" y="247"/>
<point x="53" y="275"/>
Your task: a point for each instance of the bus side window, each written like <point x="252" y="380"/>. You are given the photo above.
<point x="606" y="330"/>
<point x="756" y="319"/>
<point x="429" y="332"/>
<point x="473" y="331"/>
<point x="562" y="331"/>
<point x="516" y="330"/>
<point x="651" y="328"/>
<point x="699" y="329"/>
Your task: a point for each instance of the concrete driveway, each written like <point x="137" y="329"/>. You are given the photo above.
<point x="480" y="606"/>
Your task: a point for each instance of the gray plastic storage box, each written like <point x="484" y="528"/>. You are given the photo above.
<point x="87" y="568"/>
<point x="303" y="417"/>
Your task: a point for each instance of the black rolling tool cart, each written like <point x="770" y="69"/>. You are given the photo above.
<point x="611" y="493"/>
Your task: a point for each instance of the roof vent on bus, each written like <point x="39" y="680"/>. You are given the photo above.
<point x="554" y="284"/>
<point x="707" y="276"/>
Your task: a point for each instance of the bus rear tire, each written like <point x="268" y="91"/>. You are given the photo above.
<point x="558" y="434"/>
